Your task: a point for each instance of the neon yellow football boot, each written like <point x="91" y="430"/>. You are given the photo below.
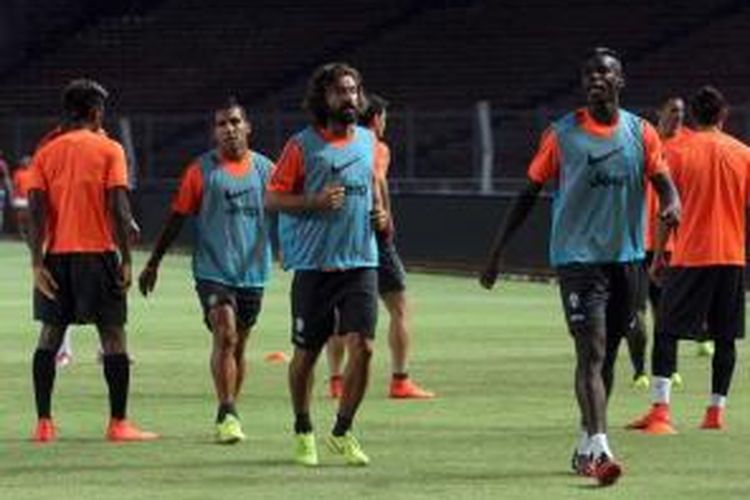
<point x="348" y="447"/>
<point x="305" y="449"/>
<point x="705" y="349"/>
<point x="641" y="382"/>
<point x="229" y="431"/>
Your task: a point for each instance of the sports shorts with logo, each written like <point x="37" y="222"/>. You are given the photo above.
<point x="601" y="295"/>
<point x="246" y="301"/>
<point x="326" y="301"/>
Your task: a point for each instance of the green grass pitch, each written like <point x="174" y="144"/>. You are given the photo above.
<point x="502" y="428"/>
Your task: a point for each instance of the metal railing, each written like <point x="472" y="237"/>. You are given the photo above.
<point x="438" y="151"/>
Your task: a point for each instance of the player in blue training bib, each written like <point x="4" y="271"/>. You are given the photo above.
<point x="224" y="190"/>
<point x="324" y="186"/>
<point x="599" y="158"/>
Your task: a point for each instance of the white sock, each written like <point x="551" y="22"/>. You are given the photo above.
<point x="584" y="444"/>
<point x="718" y="400"/>
<point x="600" y="445"/>
<point x="66" y="347"/>
<point x="662" y="389"/>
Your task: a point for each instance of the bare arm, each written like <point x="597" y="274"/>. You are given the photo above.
<point x="659" y="260"/>
<point x="670" y="208"/>
<point x="121" y="217"/>
<point x="37" y="225"/>
<point x="669" y="218"/>
<point x="517" y="214"/>
<point x="22" y="221"/>
<point x="147" y="278"/>
<point x="385" y="194"/>
<point x="8" y="187"/>
<point x="43" y="280"/>
<point x="330" y="198"/>
<point x="119" y="210"/>
<point x="381" y="204"/>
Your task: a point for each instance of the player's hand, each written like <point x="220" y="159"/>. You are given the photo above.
<point x="44" y="282"/>
<point x="126" y="276"/>
<point x="671" y="215"/>
<point x="331" y="198"/>
<point x="488" y="277"/>
<point x="658" y="268"/>
<point x="379" y="219"/>
<point x="147" y="279"/>
<point x="134" y="232"/>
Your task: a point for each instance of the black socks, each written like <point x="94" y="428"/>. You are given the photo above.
<point x="302" y="423"/>
<point x="44" y="371"/>
<point x="117" y="375"/>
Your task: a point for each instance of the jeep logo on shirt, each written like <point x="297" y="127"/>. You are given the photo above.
<point x="607" y="180"/>
<point x="240" y="210"/>
<point x="355" y="189"/>
<point x="601" y="176"/>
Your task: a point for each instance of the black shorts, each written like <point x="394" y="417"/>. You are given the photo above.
<point x="246" y="302"/>
<point x="321" y="298"/>
<point x="88" y="291"/>
<point x="703" y="302"/>
<point x="604" y="294"/>
<point x="391" y="274"/>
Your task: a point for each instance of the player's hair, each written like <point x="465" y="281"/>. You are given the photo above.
<point x="229" y="102"/>
<point x="602" y="52"/>
<point x="80" y="97"/>
<point x="708" y="106"/>
<point x="322" y="78"/>
<point x="375" y="105"/>
<point x="670" y="98"/>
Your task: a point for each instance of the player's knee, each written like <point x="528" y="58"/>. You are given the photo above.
<point x="112" y="340"/>
<point x="303" y="360"/>
<point x="242" y="336"/>
<point x="226" y="340"/>
<point x="360" y="346"/>
<point x="591" y="353"/>
<point x="637" y="326"/>
<point x="222" y="320"/>
<point x="596" y="358"/>
<point x="725" y="350"/>
<point x="395" y="302"/>
<point x="50" y="337"/>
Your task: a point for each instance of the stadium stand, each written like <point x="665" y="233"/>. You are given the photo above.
<point x="433" y="59"/>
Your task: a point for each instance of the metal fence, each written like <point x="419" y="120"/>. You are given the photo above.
<point x="433" y="151"/>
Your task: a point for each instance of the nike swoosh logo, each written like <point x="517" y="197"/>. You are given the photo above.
<point x="594" y="160"/>
<point x="336" y="169"/>
<point x="230" y="195"/>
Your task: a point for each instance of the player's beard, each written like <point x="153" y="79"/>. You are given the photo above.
<point x="234" y="147"/>
<point x="346" y="116"/>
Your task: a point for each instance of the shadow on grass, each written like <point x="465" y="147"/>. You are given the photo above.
<point x="593" y="486"/>
<point x="239" y="468"/>
<point x="495" y="475"/>
<point x="36" y="469"/>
